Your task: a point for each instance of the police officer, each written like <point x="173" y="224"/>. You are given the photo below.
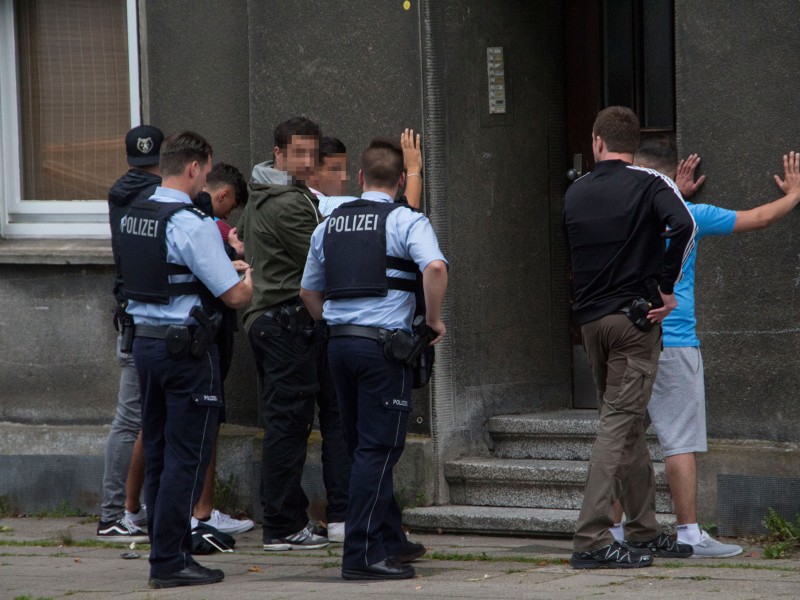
<point x="358" y="273"/>
<point x="175" y="268"/>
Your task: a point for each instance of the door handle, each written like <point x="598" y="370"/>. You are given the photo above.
<point x="577" y="167"/>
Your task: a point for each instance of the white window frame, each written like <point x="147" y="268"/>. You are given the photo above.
<point x="47" y="218"/>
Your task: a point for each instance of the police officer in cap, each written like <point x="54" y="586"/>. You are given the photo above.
<point x="175" y="269"/>
<point x="359" y="276"/>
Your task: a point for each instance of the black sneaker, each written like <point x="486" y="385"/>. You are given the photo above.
<point x="121" y="530"/>
<point x="613" y="556"/>
<point x="304" y="539"/>
<point x="663" y="546"/>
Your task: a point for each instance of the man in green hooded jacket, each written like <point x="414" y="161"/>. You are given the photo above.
<point x="276" y="229"/>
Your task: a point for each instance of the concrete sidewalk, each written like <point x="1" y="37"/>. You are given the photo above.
<point x="58" y="558"/>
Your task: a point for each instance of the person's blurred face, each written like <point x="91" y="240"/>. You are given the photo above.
<point x="299" y="158"/>
<point x="223" y="199"/>
<point x="332" y="175"/>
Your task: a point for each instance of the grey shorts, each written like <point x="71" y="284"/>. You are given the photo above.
<point x="678" y="404"/>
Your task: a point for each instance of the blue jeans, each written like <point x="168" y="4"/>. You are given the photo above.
<point x="119" y="445"/>
<point x="374" y="401"/>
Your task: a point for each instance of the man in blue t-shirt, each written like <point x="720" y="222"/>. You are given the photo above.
<point x="677" y="406"/>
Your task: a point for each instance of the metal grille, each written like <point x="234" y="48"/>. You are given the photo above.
<point x="743" y="500"/>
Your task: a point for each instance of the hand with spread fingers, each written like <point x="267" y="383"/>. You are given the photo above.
<point x="684" y="178"/>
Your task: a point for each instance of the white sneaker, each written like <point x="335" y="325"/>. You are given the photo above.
<point x="336" y="532"/>
<point x="708" y="547"/>
<point x="139" y="519"/>
<point x="226" y="524"/>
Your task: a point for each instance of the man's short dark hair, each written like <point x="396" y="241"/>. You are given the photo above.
<point x="181" y="149"/>
<point x="225" y="174"/>
<point x="295" y="126"/>
<point x="330" y="146"/>
<point x="618" y="126"/>
<point x="657" y="151"/>
<point x="382" y="163"/>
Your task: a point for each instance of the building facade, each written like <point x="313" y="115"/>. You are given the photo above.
<point x="504" y="94"/>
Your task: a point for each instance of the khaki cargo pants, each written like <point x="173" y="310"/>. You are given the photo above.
<point x="624" y="362"/>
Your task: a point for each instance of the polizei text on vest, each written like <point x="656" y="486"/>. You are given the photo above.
<point x="353" y="223"/>
<point x="139" y="226"/>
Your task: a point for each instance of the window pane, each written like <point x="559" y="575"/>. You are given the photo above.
<point x="620" y="77"/>
<point x="659" y="94"/>
<point x="74" y="98"/>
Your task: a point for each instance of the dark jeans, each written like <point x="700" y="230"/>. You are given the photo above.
<point x="286" y="366"/>
<point x="178" y="435"/>
<point x="335" y="459"/>
<point x="374" y="399"/>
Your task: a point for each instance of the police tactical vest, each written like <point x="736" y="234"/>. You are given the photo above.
<point x="355" y="253"/>
<point x="143" y="254"/>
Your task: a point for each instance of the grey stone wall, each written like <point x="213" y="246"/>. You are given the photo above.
<point x="353" y="67"/>
<point x="737" y="108"/>
<point x="57" y="344"/>
<point x="508" y="324"/>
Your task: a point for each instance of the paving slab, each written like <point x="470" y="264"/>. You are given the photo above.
<point x="58" y="558"/>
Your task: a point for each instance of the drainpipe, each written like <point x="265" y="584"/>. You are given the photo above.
<point x="440" y="391"/>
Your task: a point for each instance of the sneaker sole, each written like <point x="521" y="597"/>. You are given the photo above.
<point x="124" y="539"/>
<point x="726" y="555"/>
<point x="667" y="554"/>
<point x="594" y="564"/>
<point x="232" y="530"/>
<point x="285" y="547"/>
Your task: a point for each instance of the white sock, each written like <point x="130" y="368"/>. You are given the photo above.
<point x="617" y="531"/>
<point x="689" y="534"/>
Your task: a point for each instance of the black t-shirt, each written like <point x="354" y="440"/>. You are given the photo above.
<point x="617" y="219"/>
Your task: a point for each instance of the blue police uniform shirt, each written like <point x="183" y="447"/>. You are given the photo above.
<point x="409" y="235"/>
<point x="197" y="244"/>
<point x="327" y="204"/>
<point x="679" y="328"/>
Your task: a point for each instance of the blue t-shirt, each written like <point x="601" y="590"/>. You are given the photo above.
<point x="679" y="328"/>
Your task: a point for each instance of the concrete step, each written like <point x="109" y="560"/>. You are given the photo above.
<point x="529" y="483"/>
<point x="501" y="520"/>
<point x="556" y="435"/>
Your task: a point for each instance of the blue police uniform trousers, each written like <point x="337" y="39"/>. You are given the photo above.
<point x="178" y="435"/>
<point x="374" y="401"/>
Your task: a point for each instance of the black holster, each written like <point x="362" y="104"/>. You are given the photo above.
<point x="206" y="332"/>
<point x="422" y="354"/>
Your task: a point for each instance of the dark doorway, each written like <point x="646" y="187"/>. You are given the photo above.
<point x="617" y="52"/>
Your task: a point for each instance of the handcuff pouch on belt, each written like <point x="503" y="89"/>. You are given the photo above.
<point x="183" y="341"/>
<point x="123" y="323"/>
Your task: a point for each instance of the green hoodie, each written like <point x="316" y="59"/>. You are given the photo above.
<point x="276" y="229"/>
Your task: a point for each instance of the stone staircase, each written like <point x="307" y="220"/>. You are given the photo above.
<point x="533" y="484"/>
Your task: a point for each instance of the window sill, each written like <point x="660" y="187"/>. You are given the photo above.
<point x="55" y="252"/>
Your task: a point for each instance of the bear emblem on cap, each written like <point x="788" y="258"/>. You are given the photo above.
<point x="144" y="145"/>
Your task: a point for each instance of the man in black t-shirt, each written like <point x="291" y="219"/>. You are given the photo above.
<point x="616" y="219"/>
